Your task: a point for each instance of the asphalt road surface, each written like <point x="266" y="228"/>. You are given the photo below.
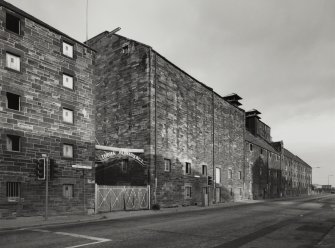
<point x="288" y="223"/>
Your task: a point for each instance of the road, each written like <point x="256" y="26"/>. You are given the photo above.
<point x="285" y="223"/>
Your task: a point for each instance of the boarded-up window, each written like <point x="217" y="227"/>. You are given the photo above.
<point x="167" y="165"/>
<point x="67" y="115"/>
<point x="188" y="192"/>
<point x="68" y="81"/>
<point x="67" y="150"/>
<point x="217" y="175"/>
<point x="13" y="61"/>
<point x="68" y="191"/>
<point x="68" y="49"/>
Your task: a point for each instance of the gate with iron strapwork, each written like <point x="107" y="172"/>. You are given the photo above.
<point x="109" y="198"/>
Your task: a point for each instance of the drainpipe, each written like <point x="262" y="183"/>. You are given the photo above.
<point x="214" y="179"/>
<point x="155" y="85"/>
<point x="149" y="96"/>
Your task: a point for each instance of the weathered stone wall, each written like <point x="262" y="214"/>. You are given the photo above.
<point x="229" y="126"/>
<point x="184" y="120"/>
<point x="39" y="120"/>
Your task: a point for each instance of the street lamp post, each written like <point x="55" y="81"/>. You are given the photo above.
<point x="328" y="178"/>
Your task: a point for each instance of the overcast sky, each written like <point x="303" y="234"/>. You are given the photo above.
<point x="278" y="55"/>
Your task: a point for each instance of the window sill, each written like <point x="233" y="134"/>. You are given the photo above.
<point x="68" y="123"/>
<point x="13" y="70"/>
<point x="20" y="34"/>
<point x="67" y="158"/>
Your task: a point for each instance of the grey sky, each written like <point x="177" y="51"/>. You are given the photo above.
<point x="278" y="55"/>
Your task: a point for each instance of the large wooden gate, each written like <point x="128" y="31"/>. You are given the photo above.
<point x="109" y="198"/>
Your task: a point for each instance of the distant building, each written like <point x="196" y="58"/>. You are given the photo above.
<point x="275" y="171"/>
<point x="46" y="107"/>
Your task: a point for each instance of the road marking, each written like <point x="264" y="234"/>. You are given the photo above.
<point x="95" y="239"/>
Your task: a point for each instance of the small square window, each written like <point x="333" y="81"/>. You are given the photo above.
<point x="13" y="61"/>
<point x="67" y="151"/>
<point x="13" y="190"/>
<point x="250" y="147"/>
<point x="188" y="168"/>
<point x="125" y="49"/>
<point x="230" y="173"/>
<point x="67" y="115"/>
<point x="67" y="49"/>
<point x="68" y="191"/>
<point x="13" y="101"/>
<point x="167" y="165"/>
<point x="68" y="81"/>
<point x="13" y="23"/>
<point x="188" y="192"/>
<point x="13" y="143"/>
<point x="204" y="170"/>
<point x="240" y="175"/>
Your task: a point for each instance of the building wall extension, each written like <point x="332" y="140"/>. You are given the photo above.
<point x="39" y="121"/>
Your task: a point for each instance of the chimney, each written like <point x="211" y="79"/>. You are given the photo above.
<point x="233" y="99"/>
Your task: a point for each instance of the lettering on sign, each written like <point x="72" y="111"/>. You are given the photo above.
<point x="108" y="155"/>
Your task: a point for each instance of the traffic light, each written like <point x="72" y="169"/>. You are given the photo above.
<point x="41" y="163"/>
<point x="209" y="180"/>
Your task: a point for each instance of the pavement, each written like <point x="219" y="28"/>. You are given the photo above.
<point x="38" y="221"/>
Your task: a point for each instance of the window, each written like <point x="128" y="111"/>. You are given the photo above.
<point x="188" y="192"/>
<point x="188" y="168"/>
<point x="250" y="147"/>
<point x="67" y="151"/>
<point x="261" y="150"/>
<point x="13" y="23"/>
<point x="125" y="49"/>
<point x="67" y="115"/>
<point x="67" y="49"/>
<point x="167" y="164"/>
<point x="270" y="154"/>
<point x="68" y="81"/>
<point x="13" y="190"/>
<point x="204" y="170"/>
<point x="240" y="175"/>
<point x="124" y="165"/>
<point x="13" y="61"/>
<point x="217" y="175"/>
<point x="231" y="191"/>
<point x="230" y="173"/>
<point x="68" y="191"/>
<point x="13" y="101"/>
<point x="13" y="143"/>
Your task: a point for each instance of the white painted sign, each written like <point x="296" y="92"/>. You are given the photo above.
<point x="80" y="166"/>
<point x="107" y="155"/>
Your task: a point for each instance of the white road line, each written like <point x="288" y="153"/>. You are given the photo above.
<point x="83" y="236"/>
<point x="95" y="239"/>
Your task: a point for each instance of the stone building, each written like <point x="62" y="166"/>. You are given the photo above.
<point x="189" y="133"/>
<point x="274" y="171"/>
<point x="46" y="108"/>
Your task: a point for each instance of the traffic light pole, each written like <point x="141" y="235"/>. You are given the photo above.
<point x="46" y="187"/>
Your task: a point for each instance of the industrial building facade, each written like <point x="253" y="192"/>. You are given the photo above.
<point x="199" y="147"/>
<point x="46" y="110"/>
<point x="71" y="102"/>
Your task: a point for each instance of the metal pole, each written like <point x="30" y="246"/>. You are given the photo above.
<point x="84" y="192"/>
<point x="46" y="187"/>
